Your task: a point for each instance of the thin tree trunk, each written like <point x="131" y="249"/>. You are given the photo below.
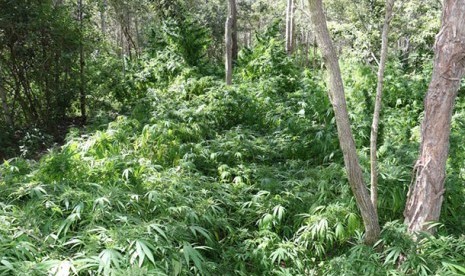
<point x="306" y="52"/>
<point x="293" y="36"/>
<point x="233" y="14"/>
<point x="82" y="91"/>
<point x="121" y="41"/>
<point x="138" y="39"/>
<point x="346" y="140"/>
<point x="377" y="111"/>
<point x="129" y="40"/>
<point x="289" y="26"/>
<point x="249" y="39"/>
<point x="229" y="43"/>
<point x="103" y="23"/>
<point x="314" y="53"/>
<point x="127" y="18"/>
<point x="425" y="195"/>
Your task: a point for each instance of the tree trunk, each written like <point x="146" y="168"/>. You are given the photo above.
<point x="138" y="38"/>
<point x="314" y="53"/>
<point x="103" y="22"/>
<point x="346" y="140"/>
<point x="229" y="43"/>
<point x="82" y="91"/>
<point x="293" y="36"/>
<point x="290" y="26"/>
<point x="305" y="50"/>
<point x="426" y="192"/>
<point x="249" y="39"/>
<point x="377" y="111"/>
<point x="233" y="14"/>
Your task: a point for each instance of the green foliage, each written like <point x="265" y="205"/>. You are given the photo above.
<point x="108" y="85"/>
<point x="40" y="45"/>
<point x="185" y="37"/>
<point x="357" y="26"/>
<point x="196" y="176"/>
<point x="34" y="141"/>
<point x="398" y="138"/>
<point x="454" y="183"/>
<point x="200" y="178"/>
<point x="397" y="254"/>
<point x="7" y="142"/>
<point x="28" y="142"/>
<point x="39" y="59"/>
<point x="268" y="61"/>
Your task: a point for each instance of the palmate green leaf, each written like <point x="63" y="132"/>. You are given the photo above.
<point x="109" y="259"/>
<point x="126" y="173"/>
<point x="66" y="224"/>
<point x="278" y="255"/>
<point x="339" y="231"/>
<point x="266" y="221"/>
<point x="197" y="229"/>
<point x="140" y="253"/>
<point x="38" y="191"/>
<point x="176" y="267"/>
<point x="148" y="251"/>
<point x="83" y="264"/>
<point x="7" y="264"/>
<point x="425" y="270"/>
<point x="152" y="195"/>
<point x="353" y="222"/>
<point x="278" y="212"/>
<point x="193" y="254"/>
<point x="225" y="175"/>
<point x="393" y="255"/>
<point x="25" y="250"/>
<point x="74" y="242"/>
<point x="58" y="268"/>
<point x="158" y="229"/>
<point x="453" y="267"/>
<point x="321" y="228"/>
<point x="144" y="248"/>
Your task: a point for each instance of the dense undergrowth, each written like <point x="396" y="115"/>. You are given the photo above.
<point x="205" y="179"/>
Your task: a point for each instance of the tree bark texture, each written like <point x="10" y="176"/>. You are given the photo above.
<point x="138" y="38"/>
<point x="103" y="21"/>
<point x="82" y="91"/>
<point x="425" y="195"/>
<point x="346" y="140"/>
<point x="290" y="26"/>
<point x="233" y="14"/>
<point x="377" y="111"/>
<point x="228" y="30"/>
